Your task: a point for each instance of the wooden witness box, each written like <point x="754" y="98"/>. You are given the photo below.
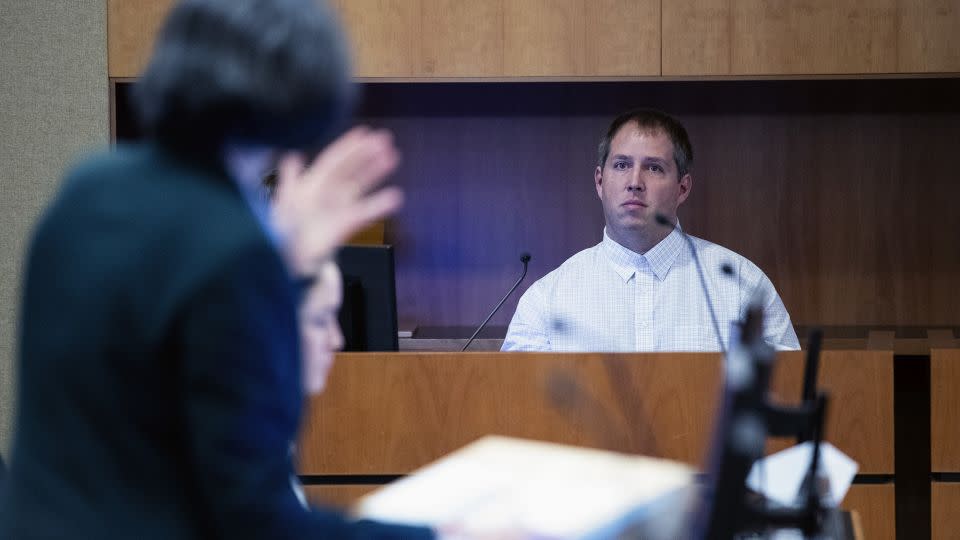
<point x="386" y="414"/>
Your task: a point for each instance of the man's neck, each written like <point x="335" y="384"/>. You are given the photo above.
<point x="638" y="241"/>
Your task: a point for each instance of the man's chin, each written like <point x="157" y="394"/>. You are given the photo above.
<point x="635" y="224"/>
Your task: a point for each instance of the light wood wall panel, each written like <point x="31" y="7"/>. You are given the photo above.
<point x="462" y="39"/>
<point x="944" y="503"/>
<point x="759" y="37"/>
<point x="132" y="26"/>
<point x="581" y="38"/>
<point x="544" y="37"/>
<point x="945" y="410"/>
<point x="449" y="38"/>
<point x="929" y="37"/>
<point x="386" y="35"/>
<point x="572" y="38"/>
<point x="697" y="37"/>
<point x="814" y="36"/>
<point x="876" y="507"/>
<point x="622" y="37"/>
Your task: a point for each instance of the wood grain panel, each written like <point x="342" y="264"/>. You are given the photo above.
<point x="945" y="410"/>
<point x="860" y="411"/>
<point x="758" y="37"/>
<point x="581" y="37"/>
<point x="696" y="37"/>
<point x="131" y="29"/>
<point x="392" y="413"/>
<point x="854" y="241"/>
<point x="874" y="505"/>
<point x="944" y="502"/>
<point x="622" y="37"/>
<point x="386" y="36"/>
<point x="337" y="496"/>
<point x="929" y="37"/>
<point x="462" y="39"/>
<point x="876" y="508"/>
<point x="814" y="36"/>
<point x="544" y="37"/>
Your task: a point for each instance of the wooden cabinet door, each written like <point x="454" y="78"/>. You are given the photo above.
<point x="503" y="38"/>
<point x="453" y="38"/>
<point x="810" y="37"/>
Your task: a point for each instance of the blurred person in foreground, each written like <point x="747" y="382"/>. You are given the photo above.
<point x="160" y="379"/>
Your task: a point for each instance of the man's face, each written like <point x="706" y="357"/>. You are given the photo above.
<point x="319" y="328"/>
<point x="638" y="181"/>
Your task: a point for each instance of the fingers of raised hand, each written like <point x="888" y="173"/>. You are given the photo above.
<point x="355" y="163"/>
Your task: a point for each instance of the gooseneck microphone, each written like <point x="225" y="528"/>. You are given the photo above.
<point x="662" y="220"/>
<point x="524" y="258"/>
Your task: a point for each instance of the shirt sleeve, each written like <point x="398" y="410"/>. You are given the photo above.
<point x="241" y="407"/>
<point x="528" y="329"/>
<point x="778" y="330"/>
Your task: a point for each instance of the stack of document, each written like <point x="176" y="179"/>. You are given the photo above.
<point x="520" y="488"/>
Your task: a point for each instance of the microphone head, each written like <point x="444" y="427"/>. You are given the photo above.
<point x="524" y="258"/>
<point x="662" y="220"/>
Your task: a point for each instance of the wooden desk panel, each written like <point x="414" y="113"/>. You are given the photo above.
<point x="944" y="502"/>
<point x="392" y="413"/>
<point x="389" y="413"/>
<point x="337" y="496"/>
<point x="860" y="413"/>
<point x="945" y="410"/>
<point x="876" y="508"/>
<point x="873" y="504"/>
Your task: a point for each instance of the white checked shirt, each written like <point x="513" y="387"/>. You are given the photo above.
<point x="608" y="298"/>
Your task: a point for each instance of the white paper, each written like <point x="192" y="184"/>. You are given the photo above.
<point x="553" y="491"/>
<point x="784" y="473"/>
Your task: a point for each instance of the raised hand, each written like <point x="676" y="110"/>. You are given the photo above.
<point x="318" y="206"/>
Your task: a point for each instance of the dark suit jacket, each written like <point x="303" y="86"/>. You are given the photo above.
<point x="159" y="380"/>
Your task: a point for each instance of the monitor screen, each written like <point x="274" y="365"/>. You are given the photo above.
<point x="368" y="316"/>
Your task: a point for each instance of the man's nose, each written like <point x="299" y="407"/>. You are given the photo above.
<point x="636" y="182"/>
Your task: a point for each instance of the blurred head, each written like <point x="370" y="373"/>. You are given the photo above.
<point x="319" y="329"/>
<point x="258" y="73"/>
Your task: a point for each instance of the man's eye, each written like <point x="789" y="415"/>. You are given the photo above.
<point x="655" y="168"/>
<point x="620" y="165"/>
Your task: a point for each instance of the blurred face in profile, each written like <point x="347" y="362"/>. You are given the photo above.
<point x="319" y="329"/>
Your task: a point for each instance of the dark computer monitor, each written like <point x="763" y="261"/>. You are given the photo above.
<point x="368" y="316"/>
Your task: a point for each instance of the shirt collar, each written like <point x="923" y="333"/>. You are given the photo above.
<point x="659" y="258"/>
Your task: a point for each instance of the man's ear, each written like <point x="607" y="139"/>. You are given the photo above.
<point x="598" y="180"/>
<point x="686" y="184"/>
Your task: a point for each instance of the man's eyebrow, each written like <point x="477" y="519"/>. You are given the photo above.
<point x="622" y="157"/>
<point x="655" y="159"/>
